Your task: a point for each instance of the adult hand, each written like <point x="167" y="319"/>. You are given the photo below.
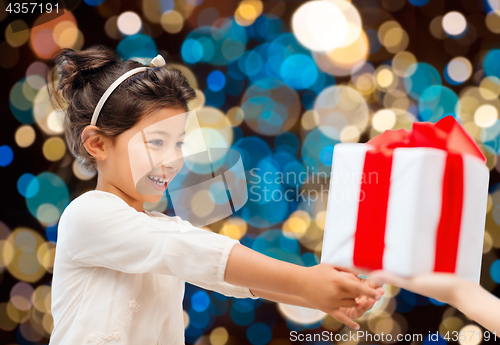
<point x="440" y="286"/>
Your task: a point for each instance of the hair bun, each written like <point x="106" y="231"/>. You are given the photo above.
<point x="78" y="68"/>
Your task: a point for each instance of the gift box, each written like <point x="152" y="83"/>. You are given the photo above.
<point x="408" y="202"/>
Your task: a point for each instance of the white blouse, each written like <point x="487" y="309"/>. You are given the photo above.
<point x="119" y="274"/>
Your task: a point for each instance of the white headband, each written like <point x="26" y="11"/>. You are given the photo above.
<point x="157" y="61"/>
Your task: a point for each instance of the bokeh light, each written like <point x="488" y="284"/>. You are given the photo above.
<point x="491" y="67"/>
<point x="383" y="120"/>
<point x="129" y="23"/>
<point x="458" y="70"/>
<point x="486" y="115"/>
<point x="454" y="23"/>
<point x="320" y="25"/>
<point x="6" y="155"/>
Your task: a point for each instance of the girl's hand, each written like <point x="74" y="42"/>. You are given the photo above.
<point x="328" y="290"/>
<point x="363" y="303"/>
<point x="440" y="286"/>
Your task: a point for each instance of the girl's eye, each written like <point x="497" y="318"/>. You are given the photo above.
<point x="179" y="144"/>
<point x="156" y="142"/>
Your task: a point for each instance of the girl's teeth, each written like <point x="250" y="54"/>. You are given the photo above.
<point x="158" y="180"/>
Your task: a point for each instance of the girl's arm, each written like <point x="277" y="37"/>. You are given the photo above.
<point x="363" y="303"/>
<point x="471" y="299"/>
<point x="246" y="267"/>
<point x="281" y="298"/>
<point x="322" y="286"/>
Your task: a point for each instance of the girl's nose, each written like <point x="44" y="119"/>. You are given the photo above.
<point x="173" y="159"/>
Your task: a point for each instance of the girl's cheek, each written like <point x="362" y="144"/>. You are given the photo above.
<point x="138" y="158"/>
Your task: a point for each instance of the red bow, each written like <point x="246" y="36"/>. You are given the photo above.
<point x="446" y="134"/>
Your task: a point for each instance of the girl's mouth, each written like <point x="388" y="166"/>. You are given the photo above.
<point x="159" y="183"/>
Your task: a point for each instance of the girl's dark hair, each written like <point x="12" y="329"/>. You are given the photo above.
<point x="85" y="75"/>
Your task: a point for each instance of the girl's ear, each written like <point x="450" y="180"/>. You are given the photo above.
<point x="87" y="132"/>
<point x="93" y="141"/>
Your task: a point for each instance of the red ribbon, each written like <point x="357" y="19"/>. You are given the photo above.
<point x="448" y="135"/>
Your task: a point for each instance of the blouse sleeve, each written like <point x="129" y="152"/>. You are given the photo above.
<point x="107" y="232"/>
<point x="223" y="287"/>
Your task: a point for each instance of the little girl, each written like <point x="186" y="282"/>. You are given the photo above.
<point x="120" y="271"/>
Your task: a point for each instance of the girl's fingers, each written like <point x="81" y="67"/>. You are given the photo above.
<point x="349" y="275"/>
<point x="348" y="294"/>
<point x="347" y="302"/>
<point x="344" y="270"/>
<point x="344" y="319"/>
<point x="360" y="289"/>
<point x="368" y="282"/>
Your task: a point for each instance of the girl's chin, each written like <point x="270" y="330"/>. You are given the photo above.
<point x="148" y="191"/>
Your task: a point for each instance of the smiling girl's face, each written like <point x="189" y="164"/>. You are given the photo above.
<point x="155" y="153"/>
<point x="142" y="160"/>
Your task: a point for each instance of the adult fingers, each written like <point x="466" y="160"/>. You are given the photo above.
<point x="383" y="277"/>
<point x="372" y="283"/>
<point x="366" y="303"/>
